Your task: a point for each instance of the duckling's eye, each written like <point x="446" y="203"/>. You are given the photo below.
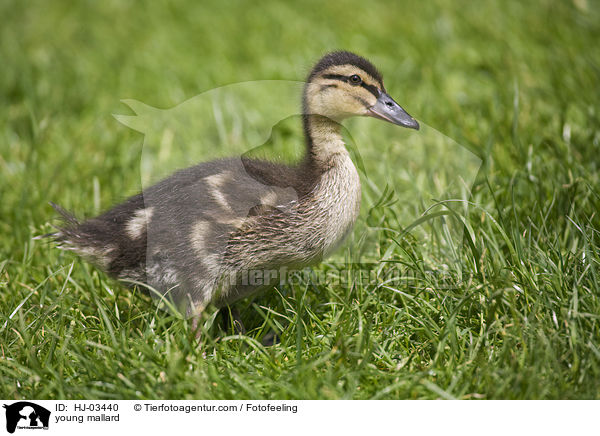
<point x="355" y="79"/>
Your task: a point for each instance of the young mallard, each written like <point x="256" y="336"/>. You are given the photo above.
<point x="205" y="233"/>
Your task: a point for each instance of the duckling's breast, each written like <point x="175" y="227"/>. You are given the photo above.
<point x="336" y="203"/>
<point x="305" y="231"/>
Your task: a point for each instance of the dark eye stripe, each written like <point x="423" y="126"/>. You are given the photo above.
<point x="371" y="88"/>
<point x="336" y="77"/>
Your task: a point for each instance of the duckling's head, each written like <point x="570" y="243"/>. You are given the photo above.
<point x="343" y="85"/>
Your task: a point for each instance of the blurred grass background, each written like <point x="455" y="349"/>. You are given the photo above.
<point x="515" y="82"/>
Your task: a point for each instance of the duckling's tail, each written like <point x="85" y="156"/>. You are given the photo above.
<point x="70" y="223"/>
<point x="82" y="239"/>
<point x="68" y="217"/>
<point x="65" y="231"/>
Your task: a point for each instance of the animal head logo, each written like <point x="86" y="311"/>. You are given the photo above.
<point x="24" y="414"/>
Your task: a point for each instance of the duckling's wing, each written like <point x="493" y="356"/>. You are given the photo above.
<point x="193" y="214"/>
<point x="174" y="235"/>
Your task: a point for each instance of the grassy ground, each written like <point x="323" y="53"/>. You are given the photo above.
<point x="516" y="83"/>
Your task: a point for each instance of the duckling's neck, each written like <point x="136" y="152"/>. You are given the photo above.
<point x="324" y="140"/>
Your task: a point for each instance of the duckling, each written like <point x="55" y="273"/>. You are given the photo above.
<point x="195" y="235"/>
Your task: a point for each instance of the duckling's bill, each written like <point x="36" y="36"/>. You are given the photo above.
<point x="385" y="108"/>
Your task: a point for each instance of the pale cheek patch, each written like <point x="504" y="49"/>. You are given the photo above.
<point x="338" y="102"/>
<point x="350" y="103"/>
<point x="137" y="225"/>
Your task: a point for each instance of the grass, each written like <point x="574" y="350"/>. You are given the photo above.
<point x="516" y="312"/>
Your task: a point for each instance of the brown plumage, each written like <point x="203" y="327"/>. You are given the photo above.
<point x="198" y="234"/>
